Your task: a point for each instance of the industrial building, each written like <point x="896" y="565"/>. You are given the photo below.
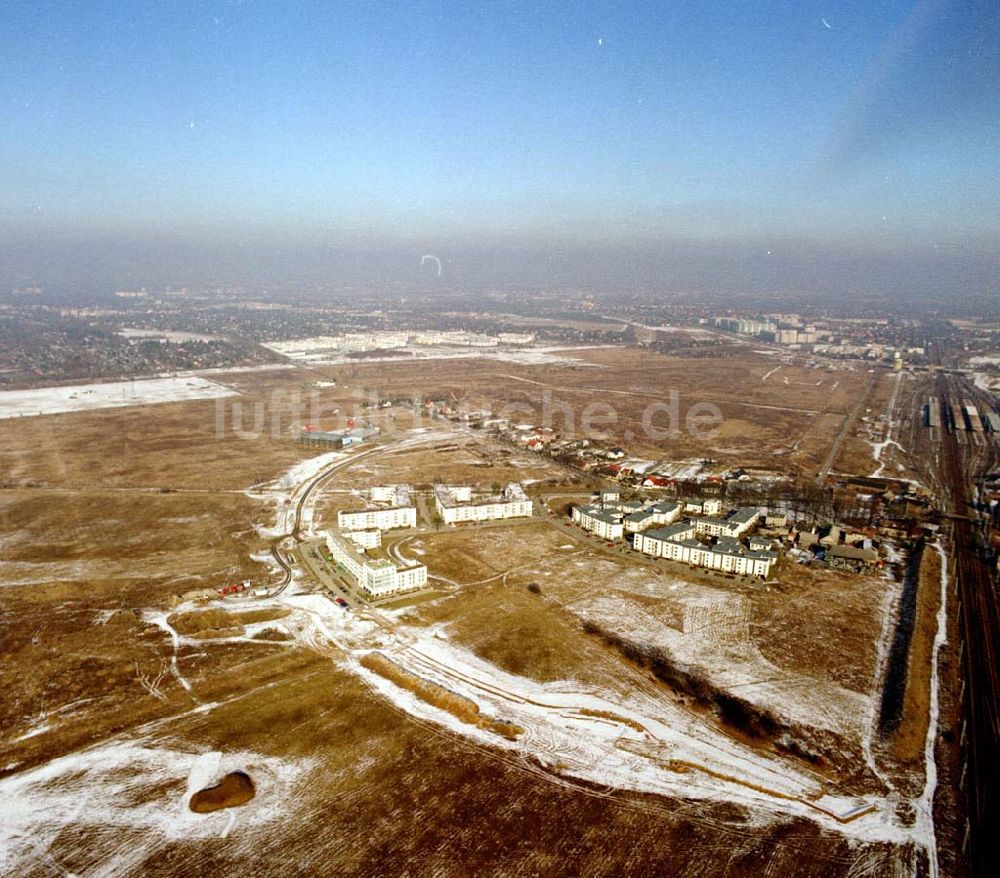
<point x="853" y="558"/>
<point x="457" y="503"/>
<point x="972" y="416"/>
<point x="374" y="574"/>
<point x="377" y="519"/>
<point x="336" y="438"/>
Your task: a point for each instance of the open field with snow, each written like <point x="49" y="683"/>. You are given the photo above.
<point x="130" y="684"/>
<point x="325" y="352"/>
<point x="115" y="394"/>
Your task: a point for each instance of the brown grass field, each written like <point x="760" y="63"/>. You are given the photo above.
<point x="109" y="520"/>
<point x="766" y="422"/>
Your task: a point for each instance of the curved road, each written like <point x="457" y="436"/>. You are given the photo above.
<point x="307" y="488"/>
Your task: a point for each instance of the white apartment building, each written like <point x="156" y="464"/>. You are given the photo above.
<point x="459" y="493"/>
<point x="456" y="503"/>
<point x="378" y="519"/>
<point x="652" y="542"/>
<point x="755" y="327"/>
<point x="703" y="507"/>
<point x="398" y="495"/>
<point x="625" y="507"/>
<point x="734" y="525"/>
<point x="658" y="514"/>
<point x="607" y="525"/>
<point x="367" y="539"/>
<point x="639" y="521"/>
<point x="376" y="577"/>
<point x="677" y="543"/>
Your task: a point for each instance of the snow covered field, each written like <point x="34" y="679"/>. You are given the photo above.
<point x="714" y="642"/>
<point x="95" y="787"/>
<point x="569" y="730"/>
<point x="628" y="742"/>
<point x="878" y="448"/>
<point x="285" y="490"/>
<point x="116" y="394"/>
<point x="989" y="383"/>
<point x="635" y="743"/>
<point x="535" y="356"/>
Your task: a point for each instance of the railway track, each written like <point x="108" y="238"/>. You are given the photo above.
<point x="979" y="651"/>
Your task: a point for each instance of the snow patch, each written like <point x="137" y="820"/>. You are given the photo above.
<point x="115" y="394"/>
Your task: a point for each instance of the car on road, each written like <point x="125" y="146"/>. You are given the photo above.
<point x="342" y="603"/>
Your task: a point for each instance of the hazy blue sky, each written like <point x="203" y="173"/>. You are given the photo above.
<point x="844" y="123"/>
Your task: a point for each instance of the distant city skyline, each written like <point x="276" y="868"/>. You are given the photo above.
<point x="275" y="125"/>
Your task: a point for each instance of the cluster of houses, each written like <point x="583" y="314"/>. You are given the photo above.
<point x="585" y="454"/>
<point x="840" y="548"/>
<point x="742" y="541"/>
<point x="590" y="456"/>
<point x="703" y="537"/>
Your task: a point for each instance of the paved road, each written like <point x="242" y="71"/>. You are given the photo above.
<point x="312" y="484"/>
<point x="276" y="550"/>
<point x="852" y="416"/>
